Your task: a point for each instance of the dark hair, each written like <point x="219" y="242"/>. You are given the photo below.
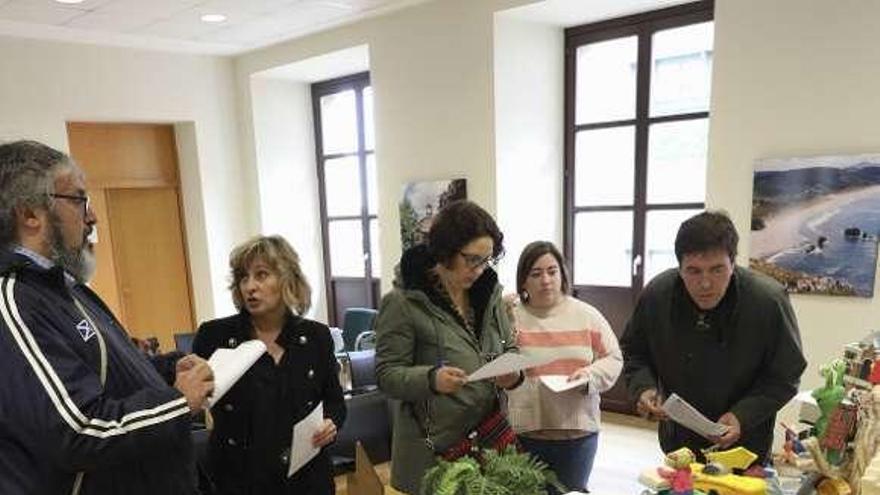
<point x="27" y="171"/>
<point x="459" y="223"/>
<point x="706" y="231"/>
<point x="527" y="259"/>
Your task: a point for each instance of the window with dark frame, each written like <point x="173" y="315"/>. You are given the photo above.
<point x="346" y="169"/>
<point x="636" y="125"/>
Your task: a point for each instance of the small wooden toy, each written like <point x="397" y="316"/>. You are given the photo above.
<point x="678" y="473"/>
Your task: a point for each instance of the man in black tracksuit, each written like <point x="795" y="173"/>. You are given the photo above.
<point x="82" y="411"/>
<point x="722" y="337"/>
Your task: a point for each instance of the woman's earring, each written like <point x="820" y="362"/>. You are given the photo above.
<point x="524" y="296"/>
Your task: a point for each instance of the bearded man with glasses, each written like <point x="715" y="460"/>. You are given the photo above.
<point x="83" y="410"/>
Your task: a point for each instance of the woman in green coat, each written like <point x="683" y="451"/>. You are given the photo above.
<point x="444" y="319"/>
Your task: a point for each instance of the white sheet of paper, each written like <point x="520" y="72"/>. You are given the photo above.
<point x="560" y="383"/>
<point x="680" y="411"/>
<point x="301" y="449"/>
<point x="229" y="365"/>
<point x="508" y="362"/>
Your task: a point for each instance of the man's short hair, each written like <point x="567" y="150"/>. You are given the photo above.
<point x="706" y="231"/>
<point x="27" y="171"/>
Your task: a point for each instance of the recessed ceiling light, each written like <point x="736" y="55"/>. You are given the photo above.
<point x="213" y="18"/>
<point x="70" y="1"/>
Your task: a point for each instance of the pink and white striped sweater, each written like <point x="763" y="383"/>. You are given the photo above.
<point x="576" y="335"/>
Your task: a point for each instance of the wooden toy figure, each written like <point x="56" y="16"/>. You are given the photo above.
<point x="829" y="395"/>
<point x="678" y="472"/>
<point x="874" y="377"/>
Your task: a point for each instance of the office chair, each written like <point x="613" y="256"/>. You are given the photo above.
<point x="363" y="369"/>
<point x="367" y="422"/>
<point x="355" y="321"/>
<point x="365" y="341"/>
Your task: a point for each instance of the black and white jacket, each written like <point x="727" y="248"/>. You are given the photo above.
<point x="81" y="409"/>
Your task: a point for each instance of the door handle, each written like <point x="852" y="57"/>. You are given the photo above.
<point x="637" y="262"/>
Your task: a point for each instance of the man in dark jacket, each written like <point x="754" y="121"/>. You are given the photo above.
<point x="724" y="338"/>
<point x="82" y="411"/>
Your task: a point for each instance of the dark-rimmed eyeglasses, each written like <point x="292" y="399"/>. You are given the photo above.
<point x="83" y="200"/>
<point x="476" y="261"/>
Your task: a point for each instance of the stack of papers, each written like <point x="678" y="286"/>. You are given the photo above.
<point x="680" y="411"/>
<point x="229" y="365"/>
<point x="509" y="362"/>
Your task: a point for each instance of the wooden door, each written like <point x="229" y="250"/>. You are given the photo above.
<point x="142" y="273"/>
<point x="151" y="268"/>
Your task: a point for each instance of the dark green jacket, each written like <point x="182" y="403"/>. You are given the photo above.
<point x="745" y="357"/>
<point x="416" y="331"/>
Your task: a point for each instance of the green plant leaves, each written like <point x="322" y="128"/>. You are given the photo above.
<point x="500" y="473"/>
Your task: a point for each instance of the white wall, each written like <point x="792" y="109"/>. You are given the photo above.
<point x="46" y="84"/>
<point x="529" y="97"/>
<point x="288" y="183"/>
<point x="431" y="69"/>
<point x="794" y="78"/>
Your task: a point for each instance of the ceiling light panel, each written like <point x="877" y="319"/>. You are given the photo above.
<point x="157" y="8"/>
<point x="39" y="12"/>
<point x="253" y="7"/>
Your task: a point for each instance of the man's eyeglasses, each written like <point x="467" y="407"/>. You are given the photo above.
<point x="476" y="261"/>
<point x="84" y="200"/>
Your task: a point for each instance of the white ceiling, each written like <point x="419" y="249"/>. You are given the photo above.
<point x="566" y="13"/>
<point x="323" y="67"/>
<point x="176" y="24"/>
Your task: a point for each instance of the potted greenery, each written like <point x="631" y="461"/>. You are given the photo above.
<point x="500" y="473"/>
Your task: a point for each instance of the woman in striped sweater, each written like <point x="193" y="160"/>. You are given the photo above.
<point x="560" y="428"/>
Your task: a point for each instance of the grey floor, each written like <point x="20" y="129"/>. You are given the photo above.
<point x="627" y="446"/>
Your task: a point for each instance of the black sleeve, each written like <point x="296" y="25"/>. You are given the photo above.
<point x="204" y="343"/>
<point x="48" y="388"/>
<point x="166" y="365"/>
<point x="638" y="363"/>
<point x="782" y="369"/>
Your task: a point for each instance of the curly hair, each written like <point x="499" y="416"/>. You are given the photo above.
<point x="276" y="252"/>
<point x="459" y="223"/>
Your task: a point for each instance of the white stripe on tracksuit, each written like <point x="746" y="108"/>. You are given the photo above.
<point x="56" y="391"/>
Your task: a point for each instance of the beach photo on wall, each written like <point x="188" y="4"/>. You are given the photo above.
<point x="815" y="223"/>
<point x="421" y="201"/>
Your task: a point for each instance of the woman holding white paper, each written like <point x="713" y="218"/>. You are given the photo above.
<point x="560" y="427"/>
<point x="249" y="449"/>
<point x="443" y="321"/>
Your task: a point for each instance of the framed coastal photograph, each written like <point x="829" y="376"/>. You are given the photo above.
<point x="815" y="223"/>
<point x="421" y="201"/>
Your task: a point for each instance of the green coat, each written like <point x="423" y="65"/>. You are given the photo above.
<point x="415" y="333"/>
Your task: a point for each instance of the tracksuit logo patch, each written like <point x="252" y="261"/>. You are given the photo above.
<point x="85" y="330"/>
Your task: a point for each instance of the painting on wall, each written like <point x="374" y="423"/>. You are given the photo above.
<point x="815" y="223"/>
<point x="421" y="201"/>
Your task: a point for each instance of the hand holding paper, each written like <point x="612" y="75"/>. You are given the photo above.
<point x="326" y="434"/>
<point x="229" y="365"/>
<point x="302" y="448"/>
<point x="509" y="362"/>
<point x="680" y="411"/>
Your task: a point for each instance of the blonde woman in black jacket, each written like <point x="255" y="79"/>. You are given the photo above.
<point x="250" y="445"/>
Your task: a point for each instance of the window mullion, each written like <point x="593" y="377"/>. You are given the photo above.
<point x="362" y="174"/>
<point x="643" y="97"/>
